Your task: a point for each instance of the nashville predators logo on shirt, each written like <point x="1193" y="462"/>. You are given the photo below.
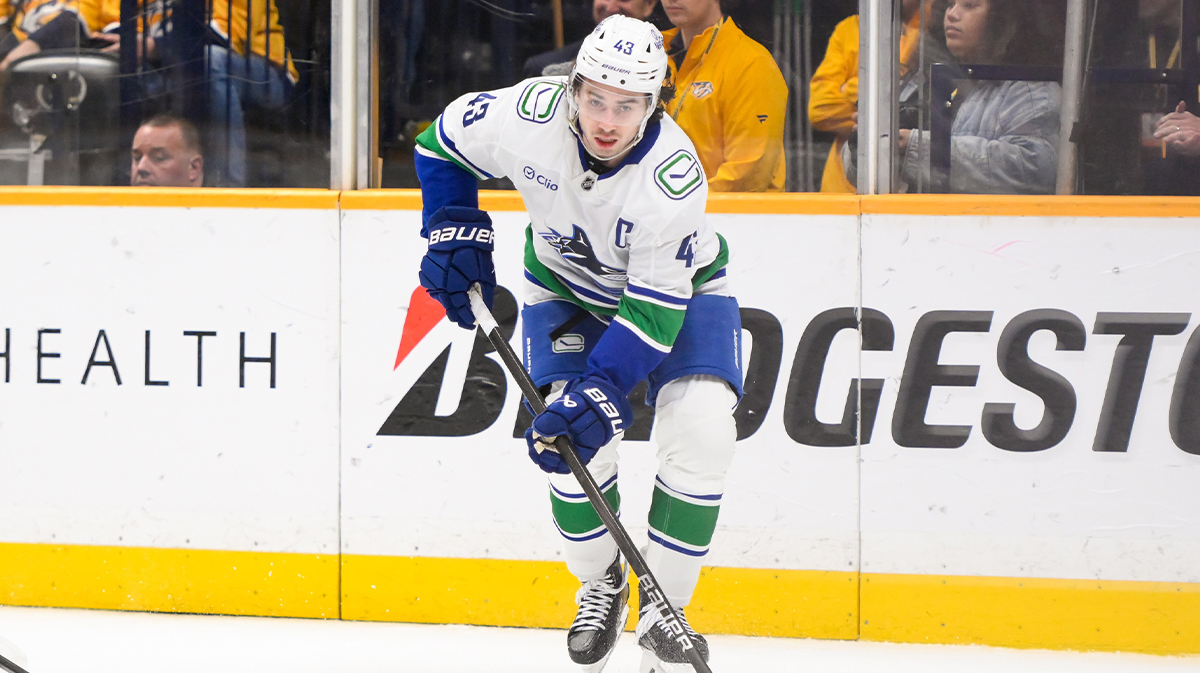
<point x="701" y="89"/>
<point x="27" y="16"/>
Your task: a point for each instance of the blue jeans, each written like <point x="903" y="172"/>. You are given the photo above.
<point x="235" y="83"/>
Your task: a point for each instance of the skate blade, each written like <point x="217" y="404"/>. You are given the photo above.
<point x="651" y="664"/>
<point x="599" y="665"/>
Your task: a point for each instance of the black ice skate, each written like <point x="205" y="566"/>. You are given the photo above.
<point x="661" y="653"/>
<point x="603" y="608"/>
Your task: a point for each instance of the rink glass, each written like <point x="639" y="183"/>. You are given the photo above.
<point x="1139" y="71"/>
<point x="68" y="115"/>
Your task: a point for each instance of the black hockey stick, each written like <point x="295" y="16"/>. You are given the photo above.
<point x="9" y="666"/>
<point x="646" y="581"/>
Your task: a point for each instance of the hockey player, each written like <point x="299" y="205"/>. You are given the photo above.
<point x="624" y="281"/>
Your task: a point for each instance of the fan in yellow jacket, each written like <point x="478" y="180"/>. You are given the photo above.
<point x="730" y="98"/>
<point x="100" y="14"/>
<point x="262" y="80"/>
<point x="36" y="25"/>
<point x="264" y="29"/>
<point x="103" y="18"/>
<point x="833" y="93"/>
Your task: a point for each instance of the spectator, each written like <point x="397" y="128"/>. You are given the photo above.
<point x="251" y="67"/>
<point x="833" y="93"/>
<point x="1004" y="138"/>
<point x="36" y="25"/>
<point x="601" y="10"/>
<point x="166" y="153"/>
<point x="1168" y="140"/>
<point x="731" y="98"/>
<point x="103" y="18"/>
<point x="1180" y="133"/>
<point x="1122" y="147"/>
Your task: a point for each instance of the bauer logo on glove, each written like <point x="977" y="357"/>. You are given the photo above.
<point x="590" y="413"/>
<point x="606" y="406"/>
<point x="460" y="254"/>
<point x="474" y="235"/>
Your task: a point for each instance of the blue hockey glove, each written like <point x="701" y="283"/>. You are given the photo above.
<point x="589" y="412"/>
<point x="461" y="241"/>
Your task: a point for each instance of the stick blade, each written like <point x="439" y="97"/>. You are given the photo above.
<point x="12" y="659"/>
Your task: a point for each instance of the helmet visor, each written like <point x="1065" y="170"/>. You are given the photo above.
<point x="611" y="106"/>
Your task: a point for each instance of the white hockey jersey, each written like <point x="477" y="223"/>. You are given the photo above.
<point x="632" y="242"/>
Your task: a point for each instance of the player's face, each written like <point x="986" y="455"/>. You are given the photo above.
<point x="966" y="29"/>
<point x="609" y="119"/>
<point x="638" y="9"/>
<point x="160" y="158"/>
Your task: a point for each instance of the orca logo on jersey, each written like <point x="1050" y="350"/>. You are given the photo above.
<point x="578" y="250"/>
<point x="531" y="174"/>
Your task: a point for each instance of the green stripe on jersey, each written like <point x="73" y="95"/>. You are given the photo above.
<point x="546" y="277"/>
<point x="684" y="521"/>
<point x="657" y="322"/>
<point x="579" y="517"/>
<point x="430" y="141"/>
<point x="717" y="264"/>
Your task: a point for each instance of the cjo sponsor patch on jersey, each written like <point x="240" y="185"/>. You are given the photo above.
<point x="679" y="175"/>
<point x="539" y="100"/>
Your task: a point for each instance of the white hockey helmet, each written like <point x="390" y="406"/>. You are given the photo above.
<point x="623" y="53"/>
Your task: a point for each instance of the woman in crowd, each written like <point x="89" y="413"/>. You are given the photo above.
<point x="1004" y="137"/>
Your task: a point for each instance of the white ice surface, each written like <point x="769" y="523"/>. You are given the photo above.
<point x="93" y="641"/>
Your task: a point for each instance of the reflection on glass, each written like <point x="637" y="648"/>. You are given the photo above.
<point x="242" y="85"/>
<point x="833" y="101"/>
<point x="431" y="53"/>
<point x="37" y="133"/>
<point x="994" y="126"/>
<point x="1137" y="95"/>
<point x="1001" y="125"/>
